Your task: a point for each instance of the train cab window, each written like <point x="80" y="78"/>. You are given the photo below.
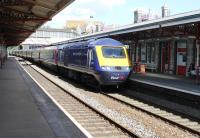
<point x="113" y="52"/>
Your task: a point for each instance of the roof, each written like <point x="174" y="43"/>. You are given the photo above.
<point x="105" y="42"/>
<point x="175" y="20"/>
<point x="55" y="30"/>
<point x="20" y="18"/>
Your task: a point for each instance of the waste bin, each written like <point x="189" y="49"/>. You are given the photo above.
<point x="142" y="68"/>
<point x="136" y="67"/>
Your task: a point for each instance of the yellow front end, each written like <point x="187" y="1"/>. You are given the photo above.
<point x="113" y="70"/>
<point x="103" y="61"/>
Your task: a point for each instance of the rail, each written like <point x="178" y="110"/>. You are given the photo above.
<point x="175" y="119"/>
<point x="48" y="77"/>
<point x="110" y="120"/>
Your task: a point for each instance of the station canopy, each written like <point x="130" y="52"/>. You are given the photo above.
<point x="20" y="18"/>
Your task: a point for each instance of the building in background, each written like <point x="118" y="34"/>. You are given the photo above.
<point x="138" y="15"/>
<point x="84" y="26"/>
<point x="141" y="15"/>
<point x="110" y="27"/>
<point x="165" y="11"/>
<point x="76" y="24"/>
<point x="45" y="36"/>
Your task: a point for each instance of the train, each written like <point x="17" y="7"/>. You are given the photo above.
<point x="104" y="61"/>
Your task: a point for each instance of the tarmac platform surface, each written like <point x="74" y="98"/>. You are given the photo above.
<point x="178" y="83"/>
<point x="26" y="112"/>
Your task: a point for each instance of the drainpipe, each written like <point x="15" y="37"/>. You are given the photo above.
<point x="198" y="44"/>
<point x="197" y="64"/>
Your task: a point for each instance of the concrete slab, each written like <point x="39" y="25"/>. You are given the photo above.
<point x="25" y="111"/>
<point x="169" y="81"/>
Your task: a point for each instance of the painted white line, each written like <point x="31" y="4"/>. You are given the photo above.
<point x="87" y="134"/>
<point x="168" y="87"/>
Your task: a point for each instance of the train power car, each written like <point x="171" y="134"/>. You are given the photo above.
<point x="103" y="60"/>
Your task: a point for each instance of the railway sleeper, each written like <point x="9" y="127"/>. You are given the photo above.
<point x="173" y="117"/>
<point x="102" y="125"/>
<point x="84" y="124"/>
<point x="90" y="120"/>
<point x="79" y="111"/>
<point x="86" y="117"/>
<point x="191" y="124"/>
<point x="107" y="133"/>
<point x="101" y="128"/>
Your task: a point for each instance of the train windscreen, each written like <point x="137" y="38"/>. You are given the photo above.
<point x="113" y="52"/>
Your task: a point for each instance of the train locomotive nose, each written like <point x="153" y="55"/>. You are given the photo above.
<point x="110" y="78"/>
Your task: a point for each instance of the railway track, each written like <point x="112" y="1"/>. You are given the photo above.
<point x="100" y="125"/>
<point x="93" y="121"/>
<point x="170" y="117"/>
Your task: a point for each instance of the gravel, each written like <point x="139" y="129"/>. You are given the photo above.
<point x="160" y="127"/>
<point x="136" y="121"/>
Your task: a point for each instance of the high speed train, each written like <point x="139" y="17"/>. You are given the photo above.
<point x="103" y="60"/>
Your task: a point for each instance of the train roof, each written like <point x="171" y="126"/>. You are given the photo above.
<point x="105" y="42"/>
<point x="80" y="44"/>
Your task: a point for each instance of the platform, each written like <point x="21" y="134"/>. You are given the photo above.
<point x="25" y="111"/>
<point x="172" y="82"/>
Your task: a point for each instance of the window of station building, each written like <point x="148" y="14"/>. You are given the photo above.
<point x="197" y="55"/>
<point x="184" y="57"/>
<point x="143" y="53"/>
<point x="150" y="52"/>
<point x="153" y="53"/>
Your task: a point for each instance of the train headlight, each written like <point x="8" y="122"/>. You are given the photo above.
<point x="106" y="68"/>
<point x="103" y="68"/>
<point x="127" y="68"/>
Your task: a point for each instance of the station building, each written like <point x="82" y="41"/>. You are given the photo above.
<point x="168" y="45"/>
<point x="171" y="55"/>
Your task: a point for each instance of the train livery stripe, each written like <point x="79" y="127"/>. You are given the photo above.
<point x="111" y="61"/>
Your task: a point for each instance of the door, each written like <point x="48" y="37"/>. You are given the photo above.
<point x="61" y="57"/>
<point x="163" y="62"/>
<point x="90" y="59"/>
<point x="181" y="58"/>
<point x="198" y="55"/>
<point x="164" y="57"/>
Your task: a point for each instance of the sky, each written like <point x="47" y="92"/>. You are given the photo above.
<point x="118" y="12"/>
